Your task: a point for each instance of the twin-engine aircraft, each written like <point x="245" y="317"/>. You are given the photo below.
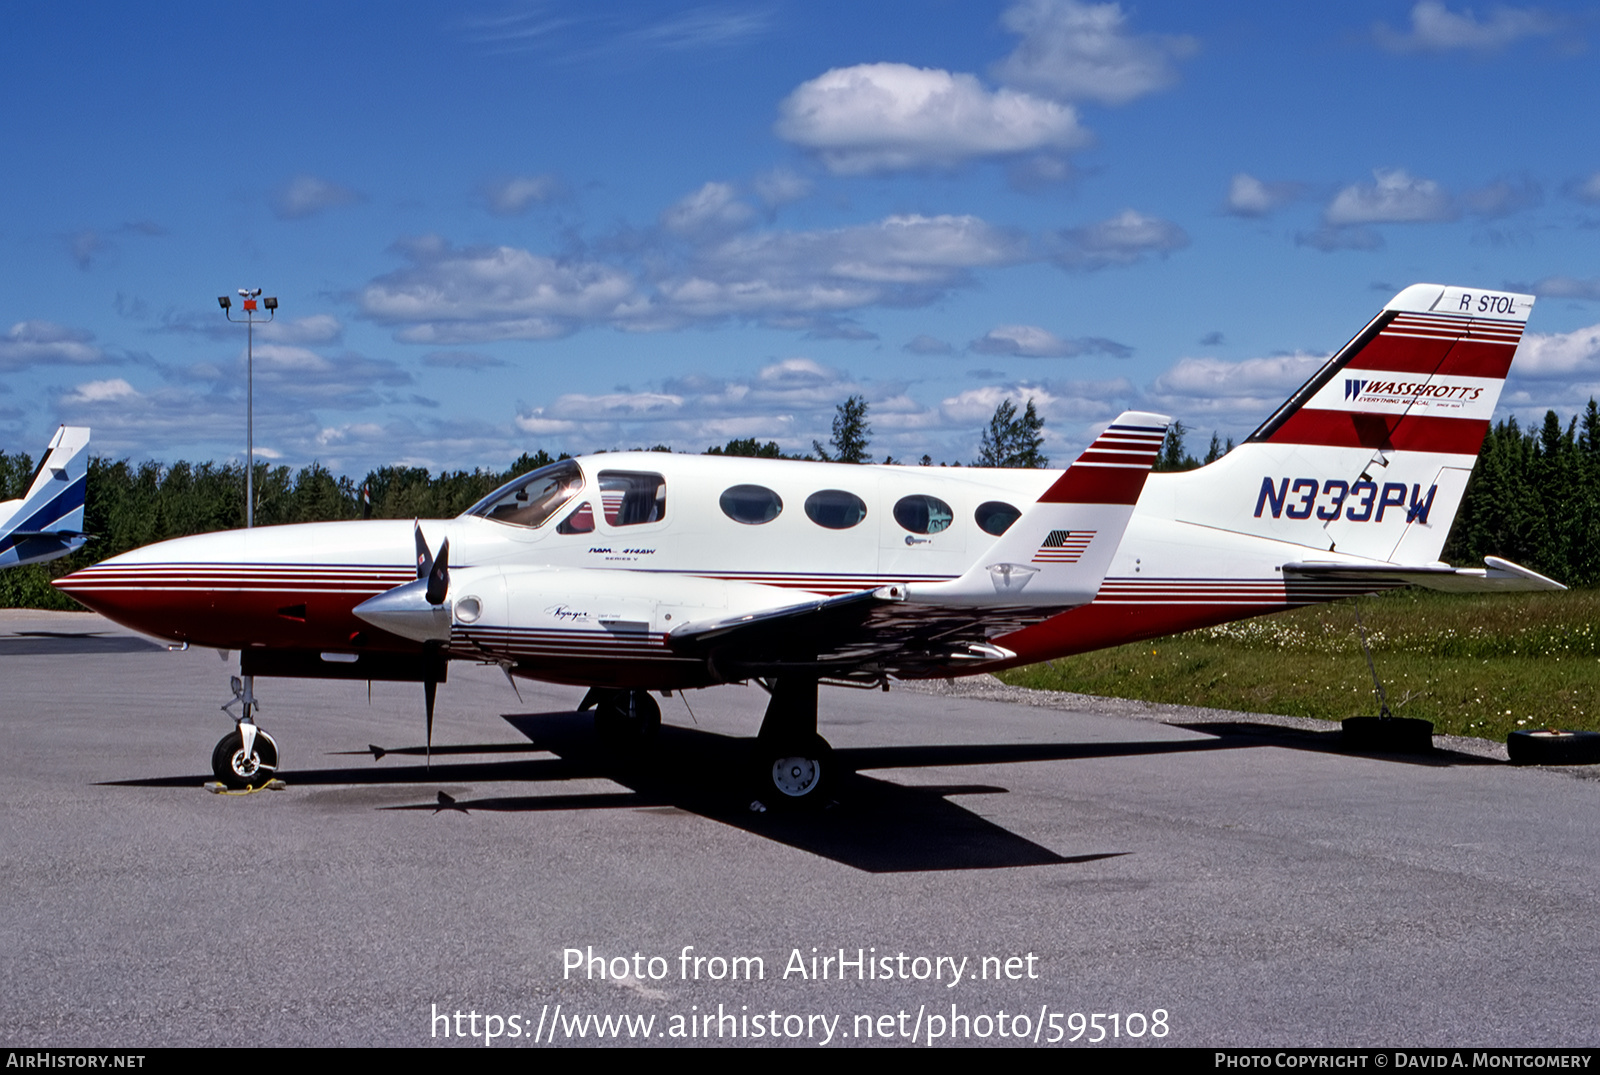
<point x="47" y="521"/>
<point x="638" y="572"/>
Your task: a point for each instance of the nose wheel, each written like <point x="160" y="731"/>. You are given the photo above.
<point x="240" y="769"/>
<point x="246" y="757"/>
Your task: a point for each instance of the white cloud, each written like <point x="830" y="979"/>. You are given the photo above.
<point x="1074" y="51"/>
<point x="101" y="391"/>
<point x="460" y="360"/>
<point x="318" y="328"/>
<point x="803" y="280"/>
<point x="1122" y="240"/>
<point x="1395" y="197"/>
<point x="1559" y="355"/>
<point x="701" y="27"/>
<point x="1435" y="28"/>
<point x="793" y="278"/>
<point x="85" y="245"/>
<point x="714" y="209"/>
<point x="45" y="343"/>
<point x="890" y="116"/>
<point x="1564" y="287"/>
<point x="781" y="186"/>
<point x="927" y="345"/>
<point x="307" y="195"/>
<point x="1030" y="341"/>
<point x="1250" y="197"/>
<point x="451" y="295"/>
<point x="511" y="196"/>
<point x="1233" y="395"/>
<point x="1328" y="238"/>
<point x="791" y="401"/>
<point x="1586" y="189"/>
<point x="1503" y="197"/>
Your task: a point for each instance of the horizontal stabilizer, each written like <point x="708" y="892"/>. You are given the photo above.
<point x="1496" y="576"/>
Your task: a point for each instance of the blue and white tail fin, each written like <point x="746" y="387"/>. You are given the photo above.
<point x="47" y="521"/>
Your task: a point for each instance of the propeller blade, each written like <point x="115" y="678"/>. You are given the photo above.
<point x="424" y="557"/>
<point x="439" y="576"/>
<point x="430" y="690"/>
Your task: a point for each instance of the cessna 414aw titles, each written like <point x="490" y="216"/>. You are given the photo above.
<point x="635" y="572"/>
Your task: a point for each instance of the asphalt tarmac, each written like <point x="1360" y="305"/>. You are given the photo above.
<point x="995" y="873"/>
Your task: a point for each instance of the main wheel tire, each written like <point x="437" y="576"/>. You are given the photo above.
<point x="236" y="771"/>
<point x="796" y="773"/>
<point x="627" y="720"/>
<point x="1549" y="746"/>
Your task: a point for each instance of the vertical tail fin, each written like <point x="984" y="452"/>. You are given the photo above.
<point x="1371" y="456"/>
<point x="1058" y="551"/>
<point x="47" y="522"/>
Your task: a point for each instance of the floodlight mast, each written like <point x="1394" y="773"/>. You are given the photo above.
<point x="249" y="295"/>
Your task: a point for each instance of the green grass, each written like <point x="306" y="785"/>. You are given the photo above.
<point x="1480" y="665"/>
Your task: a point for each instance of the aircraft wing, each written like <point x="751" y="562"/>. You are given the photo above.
<point x="1054" y="557"/>
<point x="47" y="522"/>
<point x="1496" y="575"/>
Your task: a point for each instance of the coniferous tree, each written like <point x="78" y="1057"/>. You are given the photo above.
<point x="851" y="434"/>
<point x="1012" y="440"/>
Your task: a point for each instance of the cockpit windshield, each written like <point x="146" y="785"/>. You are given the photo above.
<point x="534" y="497"/>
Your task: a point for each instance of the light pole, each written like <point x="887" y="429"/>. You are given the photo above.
<point x="249" y="295"/>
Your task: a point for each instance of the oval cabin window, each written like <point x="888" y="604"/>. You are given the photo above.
<point x="923" y="514"/>
<point x="995" y="517"/>
<point x="751" y="504"/>
<point x="835" y="509"/>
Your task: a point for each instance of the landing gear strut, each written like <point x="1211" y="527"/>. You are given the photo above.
<point x="246" y="757"/>
<point x="624" y="720"/>
<point x="794" y="767"/>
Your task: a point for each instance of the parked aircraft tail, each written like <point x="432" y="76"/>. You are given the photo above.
<point x="47" y="521"/>
<point x="1058" y="551"/>
<point x="1370" y="458"/>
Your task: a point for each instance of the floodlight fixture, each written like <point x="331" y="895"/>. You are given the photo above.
<point x="249" y="294"/>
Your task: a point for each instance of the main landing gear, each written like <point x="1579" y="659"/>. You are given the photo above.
<point x="623" y="719"/>
<point x="246" y="757"/>
<point x="793" y="766"/>
<point x="790" y="766"/>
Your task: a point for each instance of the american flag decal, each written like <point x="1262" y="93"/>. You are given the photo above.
<point x="1064" y="546"/>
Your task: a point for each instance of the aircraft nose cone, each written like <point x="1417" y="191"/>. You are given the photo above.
<point x="405" y="611"/>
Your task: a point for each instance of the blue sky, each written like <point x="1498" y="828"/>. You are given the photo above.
<point x="500" y="227"/>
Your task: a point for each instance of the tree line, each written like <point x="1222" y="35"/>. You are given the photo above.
<point x="1534" y="495"/>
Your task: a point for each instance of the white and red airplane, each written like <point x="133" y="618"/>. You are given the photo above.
<point x="635" y="572"/>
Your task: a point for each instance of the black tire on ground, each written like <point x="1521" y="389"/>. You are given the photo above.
<point x="1549" y="746"/>
<point x="795" y="773"/>
<point x="1390" y="735"/>
<point x="236" y="771"/>
<point x="627" y="719"/>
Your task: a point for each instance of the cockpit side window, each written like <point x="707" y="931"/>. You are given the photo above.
<point x="631" y="498"/>
<point x="579" y="522"/>
<point x="534" y="497"/>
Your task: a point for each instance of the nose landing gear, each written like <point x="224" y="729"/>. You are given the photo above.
<point x="246" y="757"/>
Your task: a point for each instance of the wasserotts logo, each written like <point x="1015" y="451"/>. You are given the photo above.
<point x="1367" y="390"/>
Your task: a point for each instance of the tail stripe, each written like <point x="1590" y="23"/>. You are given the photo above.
<point x="1112" y="469"/>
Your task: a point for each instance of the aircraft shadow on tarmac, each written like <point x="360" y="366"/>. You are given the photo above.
<point x="873" y="825"/>
<point x="69" y="643"/>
